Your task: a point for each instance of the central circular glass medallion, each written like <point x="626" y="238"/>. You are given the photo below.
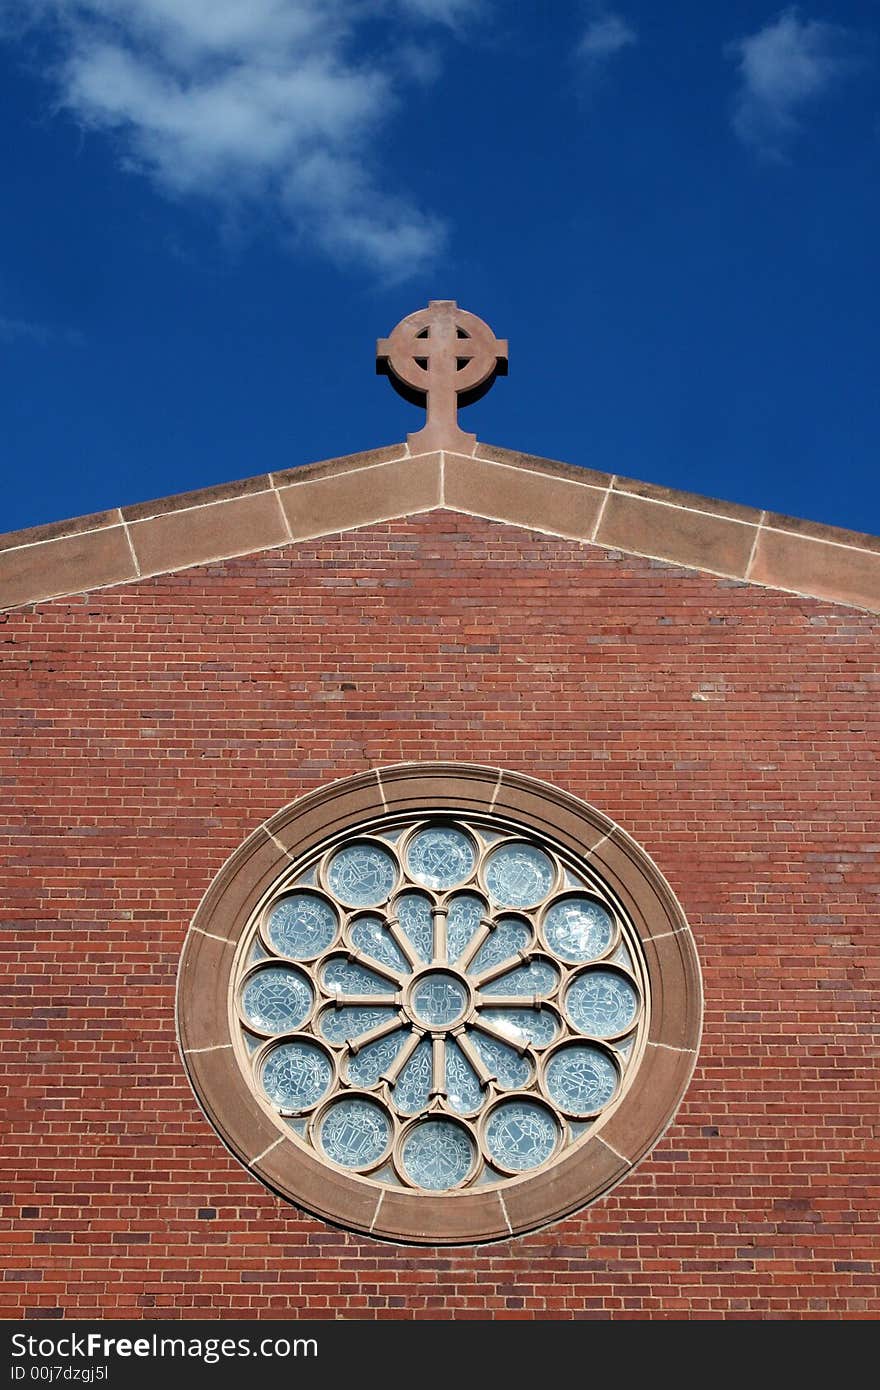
<point x="438" y="1000"/>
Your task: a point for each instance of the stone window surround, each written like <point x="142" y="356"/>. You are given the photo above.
<point x="615" y="1145"/>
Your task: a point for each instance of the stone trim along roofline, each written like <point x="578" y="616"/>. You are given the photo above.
<point x="542" y="495"/>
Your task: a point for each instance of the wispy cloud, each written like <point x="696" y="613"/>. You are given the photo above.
<point x="784" y="67"/>
<point x="606" y="33"/>
<point x="41" y="334"/>
<point x="258" y="101"/>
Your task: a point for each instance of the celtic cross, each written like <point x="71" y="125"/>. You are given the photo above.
<point x="442" y="357"/>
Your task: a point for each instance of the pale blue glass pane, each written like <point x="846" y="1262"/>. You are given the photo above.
<point x="301" y="925"/>
<point x="365" y="1067"/>
<point x="296" y="1075"/>
<point x="523" y="1025"/>
<point x="462" y="921"/>
<point x="463" y="1089"/>
<point x="538" y="978"/>
<point x="438" y="1154"/>
<point x="511" y="1071"/>
<point x="370" y="935"/>
<point x="580" y="1079"/>
<point x="276" y="999"/>
<point x="414" y="912"/>
<point x="519" y="875"/>
<point x="440" y="857"/>
<point x="510" y="935"/>
<point x="355" y="1133"/>
<point x="351" y="978"/>
<point x="521" y="1134"/>
<point x="602" y="1003"/>
<point x="338" y="1025"/>
<point x="362" y="875"/>
<point x="413" y="1089"/>
<point x="439" y="1000"/>
<point x="578" y="928"/>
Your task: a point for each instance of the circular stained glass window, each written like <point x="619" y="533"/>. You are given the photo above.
<point x="448" y="1002"/>
<point x="444" y="1023"/>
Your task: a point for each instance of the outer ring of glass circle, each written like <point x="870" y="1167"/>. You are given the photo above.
<point x="580" y="1041"/>
<point x="280" y="964"/>
<point x="505" y="843"/>
<point x="507" y="1099"/>
<point x="541" y="918"/>
<point x="415" y="980"/>
<point x="528" y="1046"/>
<point x="374" y="842"/>
<point x="413" y="1123"/>
<point x="305" y="890"/>
<point x="264" y="1052"/>
<point x="439" y="824"/>
<point x="319" y="1116"/>
<point x="615" y="969"/>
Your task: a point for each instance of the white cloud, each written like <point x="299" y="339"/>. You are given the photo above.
<point x="247" y="100"/>
<point x="782" y="68"/>
<point x="606" y="34"/>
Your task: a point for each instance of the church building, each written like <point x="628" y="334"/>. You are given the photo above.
<point x="440" y="883"/>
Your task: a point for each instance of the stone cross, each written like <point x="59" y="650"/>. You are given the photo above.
<point x="442" y="357"/>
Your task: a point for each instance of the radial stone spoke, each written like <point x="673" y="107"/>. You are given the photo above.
<point x="402" y="942"/>
<point x="483" y="1072"/>
<point x="508" y="1001"/>
<point x="380" y="1031"/>
<point x="500" y="1036"/>
<point x="475" y="942"/>
<point x="440" y="951"/>
<point x="378" y="967"/>
<point x="366" y="1001"/>
<point x="403" y="1057"/>
<point x="494" y="971"/>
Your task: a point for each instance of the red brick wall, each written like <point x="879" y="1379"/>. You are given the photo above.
<point x="147" y="730"/>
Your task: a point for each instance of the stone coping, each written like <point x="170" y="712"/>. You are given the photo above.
<point x="557" y="499"/>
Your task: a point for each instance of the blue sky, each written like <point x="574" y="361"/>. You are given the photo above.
<point x="212" y="208"/>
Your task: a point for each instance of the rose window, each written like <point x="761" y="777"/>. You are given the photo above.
<point x="440" y="1003"/>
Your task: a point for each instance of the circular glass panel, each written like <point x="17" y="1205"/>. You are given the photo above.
<point x="578" y="928"/>
<point x="296" y="1075"/>
<point x="519" y="875"/>
<point x="301" y="925"/>
<point x="362" y="875"/>
<point x="439" y="1000"/>
<point x="437" y="1154"/>
<point x="276" y="999"/>
<point x="580" y="1079"/>
<point x="355" y="1132"/>
<point x="602" y="1003"/>
<point x="440" y="857"/>
<point x="521" y="1134"/>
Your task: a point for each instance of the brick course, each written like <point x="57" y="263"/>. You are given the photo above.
<point x="148" y="728"/>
